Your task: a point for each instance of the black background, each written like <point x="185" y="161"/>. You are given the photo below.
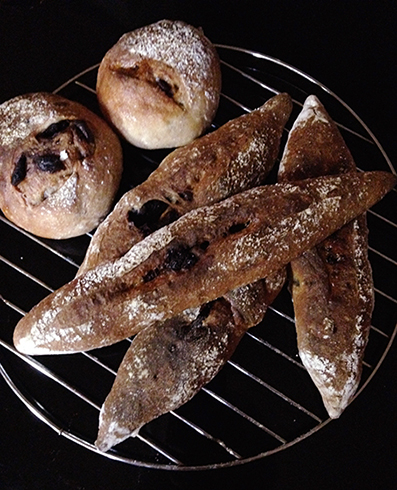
<point x="351" y="47"/>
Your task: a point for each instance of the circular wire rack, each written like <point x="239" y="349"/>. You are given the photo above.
<point x="263" y="400"/>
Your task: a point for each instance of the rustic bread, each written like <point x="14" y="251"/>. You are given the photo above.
<point x="160" y="84"/>
<point x="60" y="165"/>
<point x="180" y="352"/>
<point x="168" y="363"/>
<point x="335" y="276"/>
<point x="197" y="259"/>
<point x="235" y="157"/>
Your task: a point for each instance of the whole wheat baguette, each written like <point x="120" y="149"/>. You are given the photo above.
<point x="168" y="363"/>
<point x="197" y="259"/>
<point x="234" y="158"/>
<point x="331" y="284"/>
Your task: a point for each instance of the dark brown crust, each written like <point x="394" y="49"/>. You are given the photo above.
<point x="332" y="285"/>
<point x="153" y="377"/>
<point x="60" y="165"/>
<point x="167" y="364"/>
<point x="232" y="159"/>
<point x="247" y="237"/>
<point x="165" y="367"/>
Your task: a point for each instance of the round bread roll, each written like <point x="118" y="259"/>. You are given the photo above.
<point x="160" y="85"/>
<point x="60" y="165"/>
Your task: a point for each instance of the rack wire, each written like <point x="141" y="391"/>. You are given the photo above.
<point x="262" y="401"/>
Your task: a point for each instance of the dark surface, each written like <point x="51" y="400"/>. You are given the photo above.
<point x="350" y="47"/>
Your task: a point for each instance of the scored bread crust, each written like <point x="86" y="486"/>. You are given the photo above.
<point x="235" y="157"/>
<point x="160" y="85"/>
<point x="60" y="165"/>
<point x="196" y="259"/>
<point x="331" y="284"/>
<point x="168" y="363"/>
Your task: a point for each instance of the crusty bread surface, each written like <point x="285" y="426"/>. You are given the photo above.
<point x="234" y="158"/>
<point x="196" y="259"/>
<point x="60" y="165"/>
<point x="332" y="287"/>
<point x="160" y="84"/>
<point x="169" y="362"/>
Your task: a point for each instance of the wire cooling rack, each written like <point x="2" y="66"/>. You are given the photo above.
<point x="262" y="401"/>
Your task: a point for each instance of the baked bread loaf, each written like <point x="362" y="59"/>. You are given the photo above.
<point x="335" y="276"/>
<point x="168" y="363"/>
<point x="197" y="259"/>
<point x="235" y="157"/>
<point x="60" y="165"/>
<point x="160" y="85"/>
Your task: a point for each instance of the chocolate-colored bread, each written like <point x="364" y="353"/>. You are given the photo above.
<point x="235" y="157"/>
<point x="331" y="284"/>
<point x="197" y="259"/>
<point x="168" y="363"/>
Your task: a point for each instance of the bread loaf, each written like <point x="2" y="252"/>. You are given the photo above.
<point x="235" y="157"/>
<point x="335" y="276"/>
<point x="60" y="165"/>
<point x="160" y="85"/>
<point x="169" y="362"/>
<point x="197" y="259"/>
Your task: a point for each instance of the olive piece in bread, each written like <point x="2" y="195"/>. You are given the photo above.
<point x="60" y="165"/>
<point x="159" y="85"/>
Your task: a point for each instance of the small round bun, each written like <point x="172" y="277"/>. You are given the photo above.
<point x="160" y="85"/>
<point x="60" y="165"/>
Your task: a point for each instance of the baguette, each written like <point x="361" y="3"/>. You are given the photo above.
<point x="335" y="276"/>
<point x="235" y="157"/>
<point x="197" y="259"/>
<point x="168" y="363"/>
